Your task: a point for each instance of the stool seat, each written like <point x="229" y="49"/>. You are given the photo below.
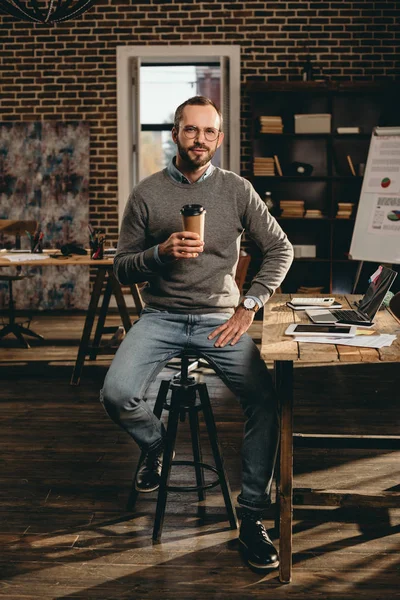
<point x="188" y="398"/>
<point x="11" y="277"/>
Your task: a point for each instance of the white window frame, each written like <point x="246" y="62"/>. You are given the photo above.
<point x="129" y="58"/>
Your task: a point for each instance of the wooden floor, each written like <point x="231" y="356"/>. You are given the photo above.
<point x="66" y="471"/>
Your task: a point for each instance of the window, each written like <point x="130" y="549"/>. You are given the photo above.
<point x="174" y="84"/>
<point x="152" y="82"/>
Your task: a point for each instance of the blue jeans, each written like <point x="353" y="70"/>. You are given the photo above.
<point x="156" y="338"/>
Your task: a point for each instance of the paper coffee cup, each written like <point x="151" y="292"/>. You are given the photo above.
<point x="193" y="218"/>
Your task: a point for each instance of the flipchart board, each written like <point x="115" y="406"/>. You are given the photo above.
<point x="376" y="235"/>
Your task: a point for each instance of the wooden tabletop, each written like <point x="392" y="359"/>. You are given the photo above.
<point x="276" y="345"/>
<point x="75" y="259"/>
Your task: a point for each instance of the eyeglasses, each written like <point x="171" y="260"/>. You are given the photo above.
<point x="191" y="132"/>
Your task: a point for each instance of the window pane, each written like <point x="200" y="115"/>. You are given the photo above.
<point x="164" y="88"/>
<point x="156" y="150"/>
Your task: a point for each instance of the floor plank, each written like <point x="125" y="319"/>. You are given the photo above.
<point x="66" y="470"/>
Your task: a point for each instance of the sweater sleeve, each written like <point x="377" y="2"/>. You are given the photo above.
<point x="277" y="251"/>
<point x="134" y="261"/>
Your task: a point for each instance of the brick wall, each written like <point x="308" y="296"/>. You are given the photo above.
<point x="68" y="71"/>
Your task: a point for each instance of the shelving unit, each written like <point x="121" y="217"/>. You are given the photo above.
<point x="364" y="105"/>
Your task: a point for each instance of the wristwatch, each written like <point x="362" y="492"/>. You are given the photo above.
<point x="250" y="304"/>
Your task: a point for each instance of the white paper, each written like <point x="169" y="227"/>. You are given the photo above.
<point x="363" y="341"/>
<point x="24" y="257"/>
<point x="383" y="169"/>
<point x="385" y="216"/>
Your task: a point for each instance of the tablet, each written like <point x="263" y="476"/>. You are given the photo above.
<point x="321" y="330"/>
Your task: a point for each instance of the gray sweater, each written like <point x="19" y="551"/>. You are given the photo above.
<point x="207" y="283"/>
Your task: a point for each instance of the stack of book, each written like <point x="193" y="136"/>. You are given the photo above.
<point x="292" y="208"/>
<point x="312" y="213"/>
<point x="345" y="210"/>
<point x="263" y="166"/>
<point x="271" y="125"/>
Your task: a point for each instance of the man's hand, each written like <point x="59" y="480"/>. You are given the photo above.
<point x="182" y="244"/>
<point x="234" y="328"/>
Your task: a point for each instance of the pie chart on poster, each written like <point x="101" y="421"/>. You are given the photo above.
<point x="394" y="215"/>
<point x="385" y="182"/>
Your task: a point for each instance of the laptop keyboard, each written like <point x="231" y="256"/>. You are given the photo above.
<point x="351" y="316"/>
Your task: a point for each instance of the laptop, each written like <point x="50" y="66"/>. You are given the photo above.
<point x="367" y="308"/>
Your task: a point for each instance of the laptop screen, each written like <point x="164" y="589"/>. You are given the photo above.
<point x="376" y="292"/>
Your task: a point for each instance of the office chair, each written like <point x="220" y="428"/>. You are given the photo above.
<point x="394" y="305"/>
<point x="241" y="269"/>
<point x="16" y="228"/>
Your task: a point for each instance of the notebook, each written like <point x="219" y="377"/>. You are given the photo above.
<point x="368" y="306"/>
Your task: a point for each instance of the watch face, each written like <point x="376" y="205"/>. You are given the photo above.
<point x="249" y="303"/>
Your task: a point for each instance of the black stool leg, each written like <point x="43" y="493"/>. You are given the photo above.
<point x="219" y="464"/>
<point x="197" y="456"/>
<point x="161" y="398"/>
<point x="172" y="428"/>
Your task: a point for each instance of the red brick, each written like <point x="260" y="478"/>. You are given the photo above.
<point x="68" y="72"/>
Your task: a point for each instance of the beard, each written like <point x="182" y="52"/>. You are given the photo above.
<point x="192" y="164"/>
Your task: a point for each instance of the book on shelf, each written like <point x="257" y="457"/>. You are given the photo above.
<point x="292" y="208"/>
<point x="352" y="169"/>
<point x="345" y="210"/>
<point x="278" y="165"/>
<point x="344" y="130"/>
<point x="263" y="166"/>
<point x="270" y="124"/>
<point x="312" y="213"/>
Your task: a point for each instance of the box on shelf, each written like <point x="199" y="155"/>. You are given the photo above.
<point x="316" y="123"/>
<point x="304" y="251"/>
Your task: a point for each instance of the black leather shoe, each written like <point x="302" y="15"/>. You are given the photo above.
<point x="254" y="540"/>
<point x="149" y="473"/>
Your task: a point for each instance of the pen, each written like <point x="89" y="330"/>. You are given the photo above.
<point x="41" y="236"/>
<point x="90" y="228"/>
<point x="97" y="253"/>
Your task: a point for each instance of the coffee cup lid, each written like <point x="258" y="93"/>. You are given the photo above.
<point x="192" y="210"/>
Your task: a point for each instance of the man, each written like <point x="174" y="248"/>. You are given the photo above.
<point x="192" y="301"/>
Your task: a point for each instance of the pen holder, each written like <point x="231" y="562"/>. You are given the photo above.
<point x="97" y="249"/>
<point x="36" y="246"/>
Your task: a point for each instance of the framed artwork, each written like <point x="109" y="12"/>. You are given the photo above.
<point x="44" y="176"/>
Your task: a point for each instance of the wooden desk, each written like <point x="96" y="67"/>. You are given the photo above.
<point x="104" y="274"/>
<point x="284" y="353"/>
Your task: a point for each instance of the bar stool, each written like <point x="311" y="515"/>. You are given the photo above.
<point x="187" y="398"/>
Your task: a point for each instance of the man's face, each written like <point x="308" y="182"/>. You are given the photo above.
<point x="198" y="151"/>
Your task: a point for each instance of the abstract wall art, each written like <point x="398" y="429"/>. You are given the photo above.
<point x="44" y="176"/>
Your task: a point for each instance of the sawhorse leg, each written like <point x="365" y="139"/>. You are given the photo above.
<point x="121" y="304"/>
<point x="101" y="320"/>
<point x="87" y="329"/>
<point x="112" y="287"/>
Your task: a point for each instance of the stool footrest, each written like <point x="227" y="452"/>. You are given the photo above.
<point x="193" y="488"/>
